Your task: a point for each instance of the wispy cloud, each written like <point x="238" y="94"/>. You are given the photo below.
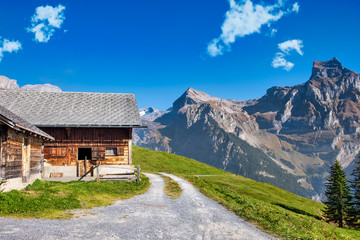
<point x="215" y="47"/>
<point x="280" y="61"/>
<point x="290" y="45"/>
<point x="296" y="7"/>
<point x="45" y="20"/>
<point x="245" y="18"/>
<point x="9" y="46"/>
<point x="272" y="32"/>
<point x="285" y="49"/>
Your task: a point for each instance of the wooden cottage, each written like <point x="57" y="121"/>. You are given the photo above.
<point x="89" y="128"/>
<point x="21" y="151"/>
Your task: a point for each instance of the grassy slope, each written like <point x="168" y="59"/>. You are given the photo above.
<point x="274" y="210"/>
<point x="45" y="199"/>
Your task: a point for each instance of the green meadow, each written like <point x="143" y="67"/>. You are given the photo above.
<point x="276" y="211"/>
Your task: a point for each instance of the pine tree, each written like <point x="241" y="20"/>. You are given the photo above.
<point x="355" y="187"/>
<point x="338" y="195"/>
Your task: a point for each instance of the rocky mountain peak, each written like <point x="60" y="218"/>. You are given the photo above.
<point x="332" y="63"/>
<point x="192" y="96"/>
<point x="41" y="88"/>
<point x="148" y="110"/>
<point x="292" y="133"/>
<point x="150" y="113"/>
<point x="328" y="69"/>
<point x="7" y="83"/>
<point x="11" y="84"/>
<point x="200" y="96"/>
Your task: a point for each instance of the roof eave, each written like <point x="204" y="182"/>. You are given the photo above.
<point x="89" y="126"/>
<point x="35" y="132"/>
<point x="18" y="127"/>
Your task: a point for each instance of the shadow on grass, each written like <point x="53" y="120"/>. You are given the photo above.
<point x="299" y="211"/>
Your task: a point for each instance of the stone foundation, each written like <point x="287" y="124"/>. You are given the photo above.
<point x="17" y="183"/>
<point x="61" y="171"/>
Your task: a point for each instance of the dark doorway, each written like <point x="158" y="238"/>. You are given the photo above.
<point x="84" y="153"/>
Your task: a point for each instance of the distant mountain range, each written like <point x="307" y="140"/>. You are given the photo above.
<point x="11" y="84"/>
<point x="289" y="137"/>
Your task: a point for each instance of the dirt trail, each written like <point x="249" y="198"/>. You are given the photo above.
<point x="151" y="215"/>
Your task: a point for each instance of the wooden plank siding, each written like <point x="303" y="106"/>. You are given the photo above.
<point x="64" y="150"/>
<point x="12" y="153"/>
<point x="36" y="155"/>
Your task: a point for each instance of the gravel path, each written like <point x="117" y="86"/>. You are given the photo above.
<point x="152" y="215"/>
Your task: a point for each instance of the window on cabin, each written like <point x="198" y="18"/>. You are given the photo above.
<point x="84" y="153"/>
<point x="110" y="152"/>
<point x="57" y="152"/>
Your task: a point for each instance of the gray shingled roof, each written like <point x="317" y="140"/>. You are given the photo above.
<point x="16" y="122"/>
<point x="73" y="109"/>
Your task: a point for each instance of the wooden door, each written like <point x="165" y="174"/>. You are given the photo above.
<point x="84" y="161"/>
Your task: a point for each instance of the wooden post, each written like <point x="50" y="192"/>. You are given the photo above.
<point x="26" y="156"/>
<point x="78" y="168"/>
<point x="130" y="152"/>
<point x="2" y="165"/>
<point x="138" y="173"/>
<point x="97" y="173"/>
<point x="85" y="163"/>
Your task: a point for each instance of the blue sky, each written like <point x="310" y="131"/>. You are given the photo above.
<point x="157" y="49"/>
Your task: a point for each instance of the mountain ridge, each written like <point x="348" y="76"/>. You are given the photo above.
<point x="11" y="84"/>
<point x="301" y="129"/>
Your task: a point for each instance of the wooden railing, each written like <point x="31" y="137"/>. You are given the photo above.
<point x="136" y="170"/>
<point x="91" y="169"/>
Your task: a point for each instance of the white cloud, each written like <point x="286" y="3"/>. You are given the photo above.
<point x="280" y="61"/>
<point x="285" y="49"/>
<point x="214" y="48"/>
<point x="272" y="32"/>
<point x="290" y="45"/>
<point x="9" y="46"/>
<point x="296" y="7"/>
<point x="245" y="18"/>
<point x="45" y="20"/>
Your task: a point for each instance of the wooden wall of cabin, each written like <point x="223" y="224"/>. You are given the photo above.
<point x="13" y="155"/>
<point x="3" y="133"/>
<point x="64" y="151"/>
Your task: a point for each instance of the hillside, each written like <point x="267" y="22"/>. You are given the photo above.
<point x="289" y="137"/>
<point x="274" y="210"/>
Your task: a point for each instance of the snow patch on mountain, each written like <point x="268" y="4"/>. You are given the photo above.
<point x="150" y="113"/>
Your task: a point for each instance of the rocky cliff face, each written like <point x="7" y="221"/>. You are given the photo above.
<point x="7" y="83"/>
<point x="41" y="88"/>
<point x="11" y="84"/>
<point x="327" y="101"/>
<point x="289" y="137"/>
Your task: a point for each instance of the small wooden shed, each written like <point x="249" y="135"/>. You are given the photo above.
<point x="21" y="151"/>
<point x="89" y="128"/>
